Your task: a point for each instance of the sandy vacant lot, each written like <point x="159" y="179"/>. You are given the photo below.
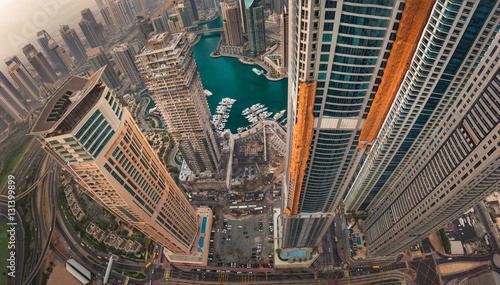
<point x="61" y="276"/>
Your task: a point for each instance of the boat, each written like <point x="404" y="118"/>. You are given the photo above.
<point x="239" y="130"/>
<point x="246" y="112"/>
<point x="278" y="116"/>
<point x="258" y="72"/>
<point x="208" y="93"/>
<point x="225" y="116"/>
<point x="261" y="110"/>
<point x="255" y="107"/>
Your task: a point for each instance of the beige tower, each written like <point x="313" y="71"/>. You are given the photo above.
<point x="86" y="130"/>
<point x="167" y="66"/>
<point x="232" y="24"/>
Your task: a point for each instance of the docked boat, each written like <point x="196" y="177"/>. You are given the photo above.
<point x="278" y="116"/>
<point x="261" y="110"/>
<point x="225" y="116"/>
<point x="246" y="112"/>
<point x="208" y="93"/>
<point x="258" y="72"/>
<point x="239" y="130"/>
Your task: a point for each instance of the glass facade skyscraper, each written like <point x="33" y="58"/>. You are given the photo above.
<point x="452" y="45"/>
<point x="456" y="169"/>
<point x="338" y="53"/>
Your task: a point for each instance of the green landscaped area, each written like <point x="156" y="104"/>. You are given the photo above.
<point x="10" y="153"/>
<point x="4" y="250"/>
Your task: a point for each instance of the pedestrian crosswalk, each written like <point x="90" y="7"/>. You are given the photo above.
<point x="248" y="277"/>
<point x="223" y="277"/>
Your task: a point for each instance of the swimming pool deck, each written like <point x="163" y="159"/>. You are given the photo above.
<point x="199" y="252"/>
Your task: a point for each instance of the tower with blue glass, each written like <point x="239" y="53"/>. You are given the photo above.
<point x="338" y="53"/>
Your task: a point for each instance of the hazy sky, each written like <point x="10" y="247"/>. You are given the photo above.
<point x="20" y="20"/>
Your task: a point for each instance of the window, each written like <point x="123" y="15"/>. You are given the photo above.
<point x="324" y="57"/>
<point x="327" y="37"/>
<point x="325" y="48"/>
<point x="328" y="27"/>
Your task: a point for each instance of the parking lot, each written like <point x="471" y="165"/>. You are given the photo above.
<point x="242" y="243"/>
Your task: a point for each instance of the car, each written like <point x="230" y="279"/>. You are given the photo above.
<point x="228" y="239"/>
<point x="229" y="236"/>
<point x="247" y="236"/>
<point x="245" y="233"/>
<point x="223" y="242"/>
<point x="225" y="220"/>
<point x="254" y="248"/>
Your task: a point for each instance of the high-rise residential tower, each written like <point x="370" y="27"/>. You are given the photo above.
<point x="98" y="59"/>
<point x="456" y="168"/>
<point x="194" y="10"/>
<point x="338" y="52"/>
<point x="124" y="56"/>
<point x="11" y="104"/>
<point x="439" y="70"/>
<point x="145" y="28"/>
<point x="40" y="64"/>
<point x="93" y="31"/>
<point x="256" y="27"/>
<point x="10" y="87"/>
<point x="115" y="14"/>
<point x="24" y="80"/>
<point x="108" y="19"/>
<point x="125" y="12"/>
<point x="159" y="24"/>
<point x="74" y="43"/>
<point x="84" y="128"/>
<point x="43" y="40"/>
<point x="167" y="66"/>
<point x="243" y="15"/>
<point x="284" y="39"/>
<point x="89" y="33"/>
<point x="60" y="55"/>
<point x="232" y="24"/>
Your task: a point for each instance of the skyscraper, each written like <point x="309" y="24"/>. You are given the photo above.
<point x="40" y="64"/>
<point x="125" y="11"/>
<point x="183" y="14"/>
<point x="84" y="128"/>
<point x="243" y="15"/>
<point x="456" y="168"/>
<point x="256" y="26"/>
<point x="145" y="28"/>
<point x="43" y="40"/>
<point x="89" y="33"/>
<point x="98" y="59"/>
<point x="24" y="80"/>
<point x="115" y="14"/>
<point x="60" y="55"/>
<point x="194" y="10"/>
<point x="232" y="24"/>
<point x="284" y="39"/>
<point x="108" y="19"/>
<point x="8" y="61"/>
<point x="427" y="92"/>
<point x="92" y="30"/>
<point x="74" y="43"/>
<point x="11" y="104"/>
<point x="99" y="3"/>
<point x="159" y="24"/>
<point x="11" y="89"/>
<point x="124" y="56"/>
<point x="334" y="71"/>
<point x="167" y="66"/>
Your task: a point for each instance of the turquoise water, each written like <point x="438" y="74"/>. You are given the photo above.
<point x="227" y="77"/>
<point x="297" y="253"/>
<point x="203" y="225"/>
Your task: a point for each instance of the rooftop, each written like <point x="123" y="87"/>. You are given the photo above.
<point x="65" y="99"/>
<point x="94" y="52"/>
<point x="163" y="41"/>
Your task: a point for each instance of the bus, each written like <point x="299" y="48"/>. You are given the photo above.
<point x="154" y="256"/>
<point x="376" y="266"/>
<point x="148" y="265"/>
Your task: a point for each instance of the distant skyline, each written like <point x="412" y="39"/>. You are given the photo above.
<point x="22" y="19"/>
